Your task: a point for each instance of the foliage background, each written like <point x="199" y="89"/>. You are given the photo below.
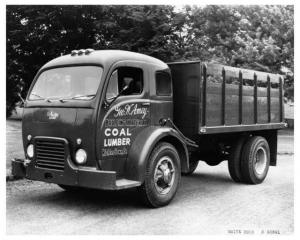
<point x="257" y="37"/>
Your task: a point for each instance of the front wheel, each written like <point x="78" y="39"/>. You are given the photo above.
<point x="255" y="160"/>
<point x="162" y="176"/>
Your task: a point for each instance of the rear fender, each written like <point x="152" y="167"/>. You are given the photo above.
<point x="143" y="145"/>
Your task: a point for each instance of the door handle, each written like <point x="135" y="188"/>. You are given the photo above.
<point x="146" y="104"/>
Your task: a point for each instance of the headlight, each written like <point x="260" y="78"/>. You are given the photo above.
<point x="30" y="151"/>
<point x="80" y="156"/>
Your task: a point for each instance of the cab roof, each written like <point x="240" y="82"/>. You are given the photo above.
<point x="103" y="57"/>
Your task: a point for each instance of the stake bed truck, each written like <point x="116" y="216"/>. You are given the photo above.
<point x="114" y="119"/>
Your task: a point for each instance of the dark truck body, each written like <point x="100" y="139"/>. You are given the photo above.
<point x="223" y="99"/>
<point x="215" y="103"/>
<point x="199" y="115"/>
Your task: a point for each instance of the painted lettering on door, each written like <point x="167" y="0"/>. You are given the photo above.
<point x="131" y="110"/>
<point x="121" y="127"/>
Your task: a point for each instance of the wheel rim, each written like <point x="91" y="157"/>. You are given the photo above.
<point x="260" y="160"/>
<point x="164" y="175"/>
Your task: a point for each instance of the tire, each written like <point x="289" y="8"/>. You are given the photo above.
<point x="234" y="161"/>
<point x="255" y="160"/>
<point x="164" y="165"/>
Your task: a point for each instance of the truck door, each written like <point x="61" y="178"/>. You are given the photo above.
<point x="161" y="96"/>
<point x="126" y="112"/>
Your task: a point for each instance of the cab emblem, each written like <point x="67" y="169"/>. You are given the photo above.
<point x="52" y="115"/>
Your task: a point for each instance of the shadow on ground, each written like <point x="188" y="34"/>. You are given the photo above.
<point x="129" y="198"/>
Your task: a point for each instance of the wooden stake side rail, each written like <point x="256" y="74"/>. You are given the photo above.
<point x="241" y="74"/>
<point x="212" y="69"/>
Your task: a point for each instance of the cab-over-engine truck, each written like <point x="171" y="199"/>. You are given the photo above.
<point x="114" y="119"/>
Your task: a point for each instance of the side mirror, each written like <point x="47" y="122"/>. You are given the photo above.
<point x="22" y="99"/>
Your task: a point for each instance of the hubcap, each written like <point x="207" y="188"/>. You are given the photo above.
<point x="164" y="175"/>
<point x="260" y="161"/>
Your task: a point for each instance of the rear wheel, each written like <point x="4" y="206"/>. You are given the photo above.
<point x="255" y="160"/>
<point x="162" y="176"/>
<point x="234" y="161"/>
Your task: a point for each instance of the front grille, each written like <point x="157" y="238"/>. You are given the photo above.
<point x="50" y="154"/>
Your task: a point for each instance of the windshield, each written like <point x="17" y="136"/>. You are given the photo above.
<point x="80" y="83"/>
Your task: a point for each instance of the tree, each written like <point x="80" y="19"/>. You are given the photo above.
<point x="145" y="29"/>
<point x="37" y="34"/>
<point x="257" y="37"/>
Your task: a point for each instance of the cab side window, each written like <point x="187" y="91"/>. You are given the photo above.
<point x="163" y="84"/>
<point x="125" y="76"/>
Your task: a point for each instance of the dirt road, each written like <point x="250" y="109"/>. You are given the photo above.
<point x="208" y="202"/>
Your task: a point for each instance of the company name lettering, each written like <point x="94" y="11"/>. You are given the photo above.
<point x="126" y="122"/>
<point x="130" y="110"/>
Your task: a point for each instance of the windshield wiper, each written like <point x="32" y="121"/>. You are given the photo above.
<point x="77" y="97"/>
<point x="40" y="97"/>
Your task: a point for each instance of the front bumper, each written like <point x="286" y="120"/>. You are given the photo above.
<point x="73" y="176"/>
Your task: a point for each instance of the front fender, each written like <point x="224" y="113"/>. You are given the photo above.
<point x="143" y="145"/>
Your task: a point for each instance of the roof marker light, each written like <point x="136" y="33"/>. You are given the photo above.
<point x="81" y="51"/>
<point x="74" y="52"/>
<point x="88" y="51"/>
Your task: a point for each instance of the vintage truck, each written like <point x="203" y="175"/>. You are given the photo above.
<point x="115" y="119"/>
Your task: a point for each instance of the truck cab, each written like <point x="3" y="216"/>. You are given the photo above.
<point x="92" y="117"/>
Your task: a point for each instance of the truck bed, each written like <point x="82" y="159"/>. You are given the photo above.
<point x="213" y="98"/>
